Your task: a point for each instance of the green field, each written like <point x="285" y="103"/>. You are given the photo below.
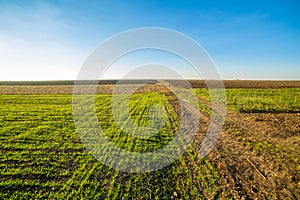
<point x="284" y="100"/>
<point x="42" y="156"/>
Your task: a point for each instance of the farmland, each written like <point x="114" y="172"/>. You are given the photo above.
<point x="257" y="155"/>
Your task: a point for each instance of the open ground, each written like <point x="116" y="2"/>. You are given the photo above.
<point x="256" y="157"/>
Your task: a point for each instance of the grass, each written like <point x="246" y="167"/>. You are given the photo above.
<point x="139" y="109"/>
<point x="285" y="100"/>
<point x="43" y="157"/>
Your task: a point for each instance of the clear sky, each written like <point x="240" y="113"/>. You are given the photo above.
<point x="49" y="40"/>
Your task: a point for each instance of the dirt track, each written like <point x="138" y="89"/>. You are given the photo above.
<point x="257" y="155"/>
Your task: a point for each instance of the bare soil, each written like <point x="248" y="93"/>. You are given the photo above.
<point x="258" y="155"/>
<point x="251" y="84"/>
<point x="66" y="87"/>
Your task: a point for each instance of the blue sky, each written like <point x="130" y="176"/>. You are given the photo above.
<point x="49" y="40"/>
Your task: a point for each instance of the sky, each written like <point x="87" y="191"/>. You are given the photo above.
<point x="50" y="40"/>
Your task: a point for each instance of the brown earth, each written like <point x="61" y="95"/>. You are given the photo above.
<point x="258" y="156"/>
<point x="68" y="89"/>
<point x="251" y="84"/>
<point x="54" y="88"/>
